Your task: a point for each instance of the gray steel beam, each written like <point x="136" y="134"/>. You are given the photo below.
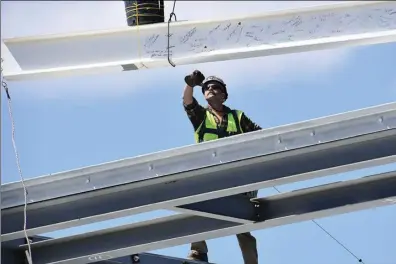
<point x="13" y="254"/>
<point x="86" y="248"/>
<point x="341" y="197"/>
<point x="369" y="188"/>
<point x="149" y="169"/>
<point x="214" y="182"/>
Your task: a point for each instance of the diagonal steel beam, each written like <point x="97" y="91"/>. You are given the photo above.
<point x="304" y="163"/>
<point x="337" y="198"/>
<point x="236" y="208"/>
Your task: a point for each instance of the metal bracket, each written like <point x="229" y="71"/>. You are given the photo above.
<point x="135" y="258"/>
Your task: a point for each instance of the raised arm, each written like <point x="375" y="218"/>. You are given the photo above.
<point x="188" y="95"/>
<point x="192" y="80"/>
<point x="195" y="112"/>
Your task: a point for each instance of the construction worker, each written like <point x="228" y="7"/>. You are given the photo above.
<point x="210" y="123"/>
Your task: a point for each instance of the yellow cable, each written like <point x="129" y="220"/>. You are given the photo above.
<point x="138" y="33"/>
<point x="136" y="7"/>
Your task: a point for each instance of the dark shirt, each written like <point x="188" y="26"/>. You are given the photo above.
<point x="197" y="114"/>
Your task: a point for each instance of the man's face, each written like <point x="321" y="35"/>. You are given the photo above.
<point x="214" y="92"/>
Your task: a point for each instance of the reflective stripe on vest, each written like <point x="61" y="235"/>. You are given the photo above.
<point x="208" y="129"/>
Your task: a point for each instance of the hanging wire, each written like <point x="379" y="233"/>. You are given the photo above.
<point x="5" y="86"/>
<point x="171" y="15"/>
<point x="328" y="233"/>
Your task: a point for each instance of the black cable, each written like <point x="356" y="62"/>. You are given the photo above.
<point x="336" y="240"/>
<point x="172" y="14"/>
<point x="3" y="83"/>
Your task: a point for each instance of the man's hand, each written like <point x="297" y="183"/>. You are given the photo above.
<point x="194" y="79"/>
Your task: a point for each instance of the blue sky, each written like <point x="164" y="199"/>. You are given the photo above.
<point x="68" y="123"/>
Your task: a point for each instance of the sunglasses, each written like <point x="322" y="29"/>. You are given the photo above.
<point x="213" y="87"/>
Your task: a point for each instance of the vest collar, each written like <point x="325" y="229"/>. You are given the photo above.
<point x="227" y="110"/>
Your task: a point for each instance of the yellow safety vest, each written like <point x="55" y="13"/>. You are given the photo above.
<point x="208" y="129"/>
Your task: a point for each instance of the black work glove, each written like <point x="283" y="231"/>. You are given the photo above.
<point x="194" y="79"/>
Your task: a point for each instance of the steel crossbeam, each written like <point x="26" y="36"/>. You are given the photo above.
<point x="287" y="208"/>
<point x="260" y="164"/>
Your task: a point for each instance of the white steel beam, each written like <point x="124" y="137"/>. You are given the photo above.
<point x="145" y="47"/>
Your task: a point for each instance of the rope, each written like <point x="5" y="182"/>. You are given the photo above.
<point x="135" y="6"/>
<point x="138" y="33"/>
<point x="5" y="86"/>
<point x="172" y="14"/>
<point x="328" y="233"/>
